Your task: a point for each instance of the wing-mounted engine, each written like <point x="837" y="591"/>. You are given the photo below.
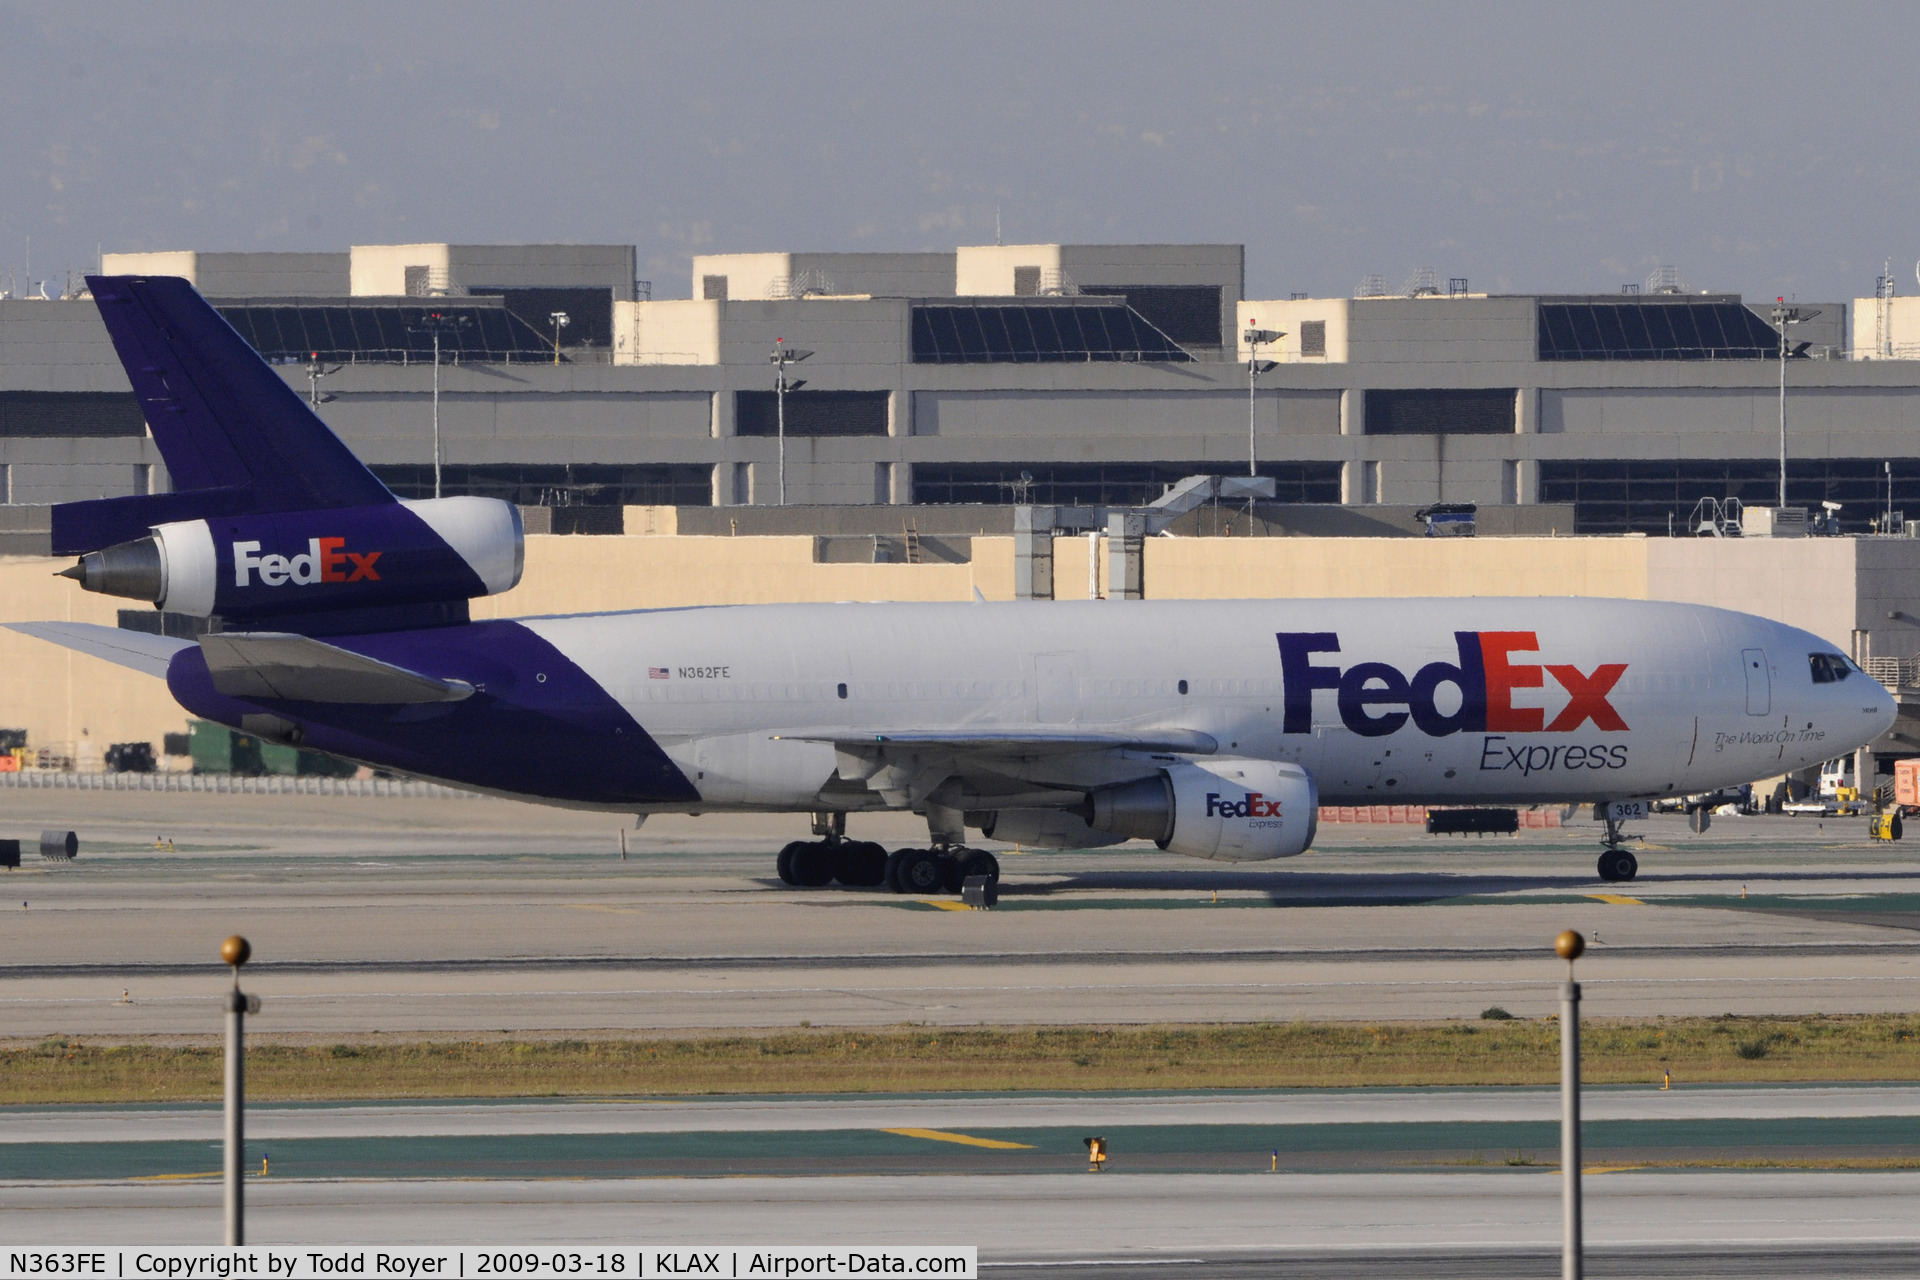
<point x="1226" y="810"/>
<point x="1041" y="828"/>
<point x="261" y="568"/>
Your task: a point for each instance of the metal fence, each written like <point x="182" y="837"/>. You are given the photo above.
<point x="231" y="784"/>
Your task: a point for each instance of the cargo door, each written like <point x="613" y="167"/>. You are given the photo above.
<point x="1759" y="682"/>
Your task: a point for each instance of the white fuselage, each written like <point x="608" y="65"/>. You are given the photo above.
<point x="1584" y="699"/>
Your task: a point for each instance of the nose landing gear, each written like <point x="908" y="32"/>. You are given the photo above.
<point x="1616" y="864"/>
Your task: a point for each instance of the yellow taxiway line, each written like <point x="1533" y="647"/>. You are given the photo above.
<point x="965" y="1139"/>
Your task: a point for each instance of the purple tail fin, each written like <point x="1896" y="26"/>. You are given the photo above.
<point x="236" y="438"/>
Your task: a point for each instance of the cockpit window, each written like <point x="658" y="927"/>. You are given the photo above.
<point x="1828" y="668"/>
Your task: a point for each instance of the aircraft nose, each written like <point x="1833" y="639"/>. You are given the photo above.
<point x="1889" y="710"/>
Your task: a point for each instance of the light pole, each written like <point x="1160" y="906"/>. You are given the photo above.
<point x="784" y="355"/>
<point x="316" y="370"/>
<point x="1784" y="315"/>
<point x="436" y="323"/>
<point x="559" y="320"/>
<point x="1255" y="367"/>
<point x="235" y="951"/>
<point x="1568" y="947"/>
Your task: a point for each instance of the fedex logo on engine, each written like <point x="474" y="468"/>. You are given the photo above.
<point x="1254" y="806"/>
<point x="1376" y="698"/>
<point x="326" y="560"/>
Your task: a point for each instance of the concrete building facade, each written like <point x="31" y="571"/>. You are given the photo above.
<point x="1055" y="374"/>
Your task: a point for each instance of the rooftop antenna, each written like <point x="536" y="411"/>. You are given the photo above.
<point x="1371" y="286"/>
<point x="1883" y="291"/>
<point x="996" y="224"/>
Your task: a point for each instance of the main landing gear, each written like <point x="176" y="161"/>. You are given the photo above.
<point x="812" y="864"/>
<point x="938" y="870"/>
<point x="861" y="864"/>
<point x="1616" y="864"/>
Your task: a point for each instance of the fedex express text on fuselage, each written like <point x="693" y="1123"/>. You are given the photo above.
<point x="1377" y="699"/>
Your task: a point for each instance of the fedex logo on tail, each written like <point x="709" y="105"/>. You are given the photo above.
<point x="326" y="560"/>
<point x="1376" y="698"/>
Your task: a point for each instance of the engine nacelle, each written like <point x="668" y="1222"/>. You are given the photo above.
<point x="1041" y="828"/>
<point x="295" y="562"/>
<point x="1226" y="810"/>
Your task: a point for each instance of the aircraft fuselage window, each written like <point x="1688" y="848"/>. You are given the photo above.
<point x="1828" y="668"/>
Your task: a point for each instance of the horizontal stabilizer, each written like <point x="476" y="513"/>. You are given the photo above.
<point x="273" y="664"/>
<point x="136" y="649"/>
<point x="1017" y="742"/>
<point x="94" y="524"/>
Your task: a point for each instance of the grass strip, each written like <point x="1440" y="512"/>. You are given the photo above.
<point x="914" y="1059"/>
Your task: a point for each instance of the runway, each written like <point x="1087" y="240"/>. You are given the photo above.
<point x="429" y="917"/>
<point x="421" y="918"/>
<point x="1503" y="1223"/>
<point x="1188" y="1192"/>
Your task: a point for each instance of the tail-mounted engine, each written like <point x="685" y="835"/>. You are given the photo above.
<point x="1227" y="810"/>
<point x="262" y="567"/>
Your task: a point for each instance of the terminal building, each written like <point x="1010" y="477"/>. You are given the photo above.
<point x="1085" y="375"/>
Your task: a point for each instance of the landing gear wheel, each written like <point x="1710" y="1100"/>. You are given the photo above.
<point x="784" y="863"/>
<point x="978" y="862"/>
<point x="863" y="865"/>
<point x="917" y="871"/>
<point x="890" y="874"/>
<point x="1617" y="865"/>
<point x="814" y="865"/>
<point x="950" y="870"/>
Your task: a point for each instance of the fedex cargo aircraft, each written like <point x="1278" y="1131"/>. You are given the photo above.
<point x="338" y="620"/>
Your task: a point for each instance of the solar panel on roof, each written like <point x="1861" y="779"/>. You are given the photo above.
<point x="1653" y="331"/>
<point x="995" y="333"/>
<point x="384" y="334"/>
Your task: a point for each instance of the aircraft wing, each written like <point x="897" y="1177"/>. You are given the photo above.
<point x="272" y="664"/>
<point x="139" y="650"/>
<point x="1015" y="742"/>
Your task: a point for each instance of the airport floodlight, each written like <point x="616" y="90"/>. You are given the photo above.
<point x="316" y="370"/>
<point x="434" y="324"/>
<point x="559" y="320"/>
<point x="1784" y="315"/>
<point x="780" y="357"/>
<point x="1255" y="338"/>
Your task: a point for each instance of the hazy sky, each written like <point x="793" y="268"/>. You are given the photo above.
<point x="1759" y="147"/>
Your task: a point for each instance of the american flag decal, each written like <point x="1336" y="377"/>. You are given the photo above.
<point x="656" y="673"/>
